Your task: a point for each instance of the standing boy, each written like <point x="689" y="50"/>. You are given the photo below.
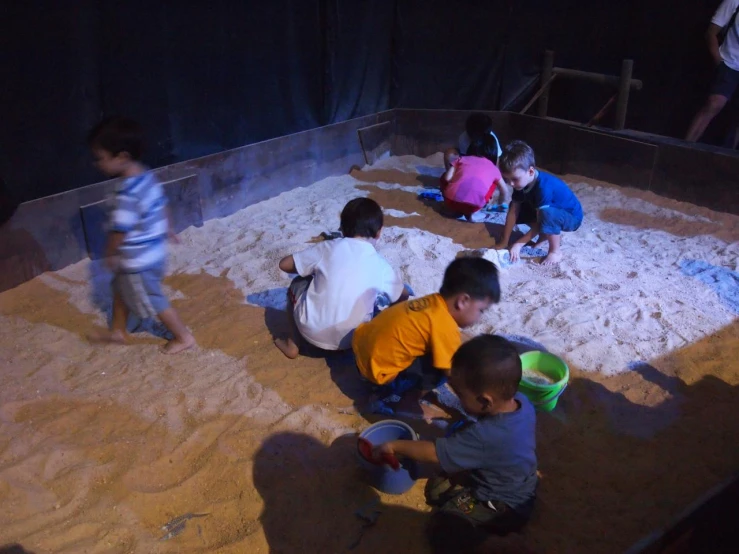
<point x="138" y="227"/>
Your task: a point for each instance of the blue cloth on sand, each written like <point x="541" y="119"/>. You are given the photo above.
<point x="431" y="195"/>
<point x="722" y="280"/>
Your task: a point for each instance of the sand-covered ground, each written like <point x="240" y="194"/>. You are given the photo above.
<point x="102" y="445"/>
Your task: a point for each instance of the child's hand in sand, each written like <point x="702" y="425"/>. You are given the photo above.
<point x="173" y="237"/>
<point x="515" y="251"/>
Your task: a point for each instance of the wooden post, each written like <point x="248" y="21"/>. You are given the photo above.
<point x="546" y="77"/>
<point x="600" y="78"/>
<point x="597" y="117"/>
<point x="623" y="94"/>
<point x="542" y="89"/>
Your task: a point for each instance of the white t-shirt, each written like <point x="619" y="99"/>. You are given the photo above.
<point x="348" y="274"/>
<point x="730" y="47"/>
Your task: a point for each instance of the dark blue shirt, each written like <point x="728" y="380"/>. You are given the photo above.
<point x="548" y="191"/>
<point x="499" y="452"/>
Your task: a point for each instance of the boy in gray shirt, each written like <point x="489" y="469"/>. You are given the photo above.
<point x="489" y="467"/>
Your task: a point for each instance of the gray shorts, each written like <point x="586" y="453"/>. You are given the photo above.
<point x="298" y="287"/>
<point x="142" y="292"/>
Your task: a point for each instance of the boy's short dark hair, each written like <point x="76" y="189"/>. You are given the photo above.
<point x="477" y="277"/>
<point x="477" y="125"/>
<point x="116" y="135"/>
<point x="488" y="363"/>
<point x="361" y="217"/>
<point x="517" y="155"/>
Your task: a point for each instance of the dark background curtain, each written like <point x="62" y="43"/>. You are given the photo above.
<point x="203" y="77"/>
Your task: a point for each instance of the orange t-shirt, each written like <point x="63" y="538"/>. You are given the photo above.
<point x="391" y="342"/>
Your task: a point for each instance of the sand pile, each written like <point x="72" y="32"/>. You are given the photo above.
<point x="101" y="446"/>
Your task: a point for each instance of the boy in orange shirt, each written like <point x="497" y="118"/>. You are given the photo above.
<point x="409" y="346"/>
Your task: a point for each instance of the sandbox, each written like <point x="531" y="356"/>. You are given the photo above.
<point x="101" y="446"/>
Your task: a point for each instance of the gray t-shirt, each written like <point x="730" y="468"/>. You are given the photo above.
<point x="499" y="452"/>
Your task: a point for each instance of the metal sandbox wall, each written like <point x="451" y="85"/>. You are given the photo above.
<point x="53" y="232"/>
<point x="702" y="175"/>
<point x="56" y="231"/>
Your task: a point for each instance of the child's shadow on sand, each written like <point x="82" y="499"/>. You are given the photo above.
<point x="311" y="494"/>
<point x="601" y="448"/>
<point x="14" y="549"/>
<point x="341" y="363"/>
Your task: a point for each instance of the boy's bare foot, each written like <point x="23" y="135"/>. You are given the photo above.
<point x="109" y="337"/>
<point x="288" y="348"/>
<point x="179" y="345"/>
<point x="552" y="258"/>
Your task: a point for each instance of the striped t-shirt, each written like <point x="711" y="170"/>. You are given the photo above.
<point x="139" y="211"/>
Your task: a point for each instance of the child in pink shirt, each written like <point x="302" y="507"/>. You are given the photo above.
<point x="468" y="183"/>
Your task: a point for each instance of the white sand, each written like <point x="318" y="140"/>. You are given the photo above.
<point x="102" y="445"/>
<point x="619" y="297"/>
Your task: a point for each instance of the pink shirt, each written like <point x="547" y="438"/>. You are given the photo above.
<point x="473" y="179"/>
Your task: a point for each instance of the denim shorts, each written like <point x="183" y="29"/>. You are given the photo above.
<point x="552" y="221"/>
<point x="420" y="375"/>
<point x="142" y="291"/>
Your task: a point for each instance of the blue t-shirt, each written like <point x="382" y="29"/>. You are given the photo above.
<point x="548" y="191"/>
<point x="499" y="452"/>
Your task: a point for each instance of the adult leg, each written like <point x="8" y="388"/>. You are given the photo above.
<point x="712" y="107"/>
<point x="725" y="81"/>
<point x="731" y="140"/>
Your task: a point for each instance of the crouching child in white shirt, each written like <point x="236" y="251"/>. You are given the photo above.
<point x="338" y="283"/>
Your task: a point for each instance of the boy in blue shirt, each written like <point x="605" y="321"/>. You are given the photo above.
<point x="540" y="200"/>
<point x="138" y="228"/>
<point x="489" y="466"/>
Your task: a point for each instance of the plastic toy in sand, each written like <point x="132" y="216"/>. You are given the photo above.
<point x="545" y="378"/>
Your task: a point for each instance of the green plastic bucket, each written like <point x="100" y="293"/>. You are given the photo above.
<point x="544" y="396"/>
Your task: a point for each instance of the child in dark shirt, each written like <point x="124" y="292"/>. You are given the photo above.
<point x="489" y="466"/>
<point x="540" y="200"/>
